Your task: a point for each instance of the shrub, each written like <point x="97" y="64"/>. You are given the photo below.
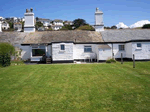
<point x="146" y="26"/>
<point x="86" y="27"/>
<point x="110" y="61"/>
<point x="6" y="50"/>
<point x="5" y="60"/>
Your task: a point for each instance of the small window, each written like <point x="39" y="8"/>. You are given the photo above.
<point x="87" y="49"/>
<point x="121" y="47"/>
<point x="62" y="47"/>
<point x="139" y="45"/>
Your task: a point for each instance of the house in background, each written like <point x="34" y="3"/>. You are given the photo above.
<point x="46" y="22"/>
<point x="18" y="26"/>
<point x="5" y="25"/>
<point x="57" y="24"/>
<point x="68" y="22"/>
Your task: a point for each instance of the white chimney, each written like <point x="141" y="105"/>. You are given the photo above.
<point x="99" y="25"/>
<point x="0" y="26"/>
<point x="29" y="25"/>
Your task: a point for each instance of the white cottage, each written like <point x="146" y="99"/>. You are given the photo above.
<point x="71" y="46"/>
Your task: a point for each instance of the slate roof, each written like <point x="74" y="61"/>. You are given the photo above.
<point x="50" y="36"/>
<point x="124" y="35"/>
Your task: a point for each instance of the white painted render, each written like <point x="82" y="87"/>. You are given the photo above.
<point x="29" y="30"/>
<point x="58" y="54"/>
<point x="29" y="22"/>
<point x="128" y="49"/>
<point x="99" y="28"/>
<point x="143" y="52"/>
<point x="99" y="25"/>
<point x="78" y="51"/>
<point x="104" y="54"/>
<point x="98" y="18"/>
<point x="25" y="54"/>
<point x="117" y="53"/>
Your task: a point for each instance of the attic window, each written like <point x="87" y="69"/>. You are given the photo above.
<point x="62" y="47"/>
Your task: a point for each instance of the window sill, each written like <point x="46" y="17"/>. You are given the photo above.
<point x="139" y="48"/>
<point x="62" y="51"/>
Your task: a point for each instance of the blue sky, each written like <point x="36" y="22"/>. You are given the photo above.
<point x="115" y="11"/>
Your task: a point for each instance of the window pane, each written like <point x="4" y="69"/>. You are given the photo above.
<point x="38" y="52"/>
<point x="62" y="47"/>
<point x="87" y="49"/>
<point x="121" y="47"/>
<point x="138" y="44"/>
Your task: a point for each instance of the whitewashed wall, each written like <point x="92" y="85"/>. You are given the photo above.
<point x="78" y="51"/>
<point x="128" y="49"/>
<point x="104" y="54"/>
<point x="143" y="53"/>
<point x="25" y="54"/>
<point x="117" y="53"/>
<point x="58" y="55"/>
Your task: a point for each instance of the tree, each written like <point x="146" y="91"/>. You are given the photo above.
<point x="11" y="25"/>
<point x="86" y="27"/>
<point x="66" y="27"/>
<point x="79" y="22"/>
<point x="38" y="24"/>
<point x="107" y="27"/>
<point x="6" y="50"/>
<point x="146" y="26"/>
<point x="114" y="27"/>
<point x="22" y="22"/>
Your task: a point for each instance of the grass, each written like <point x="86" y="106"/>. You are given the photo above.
<point x="76" y="88"/>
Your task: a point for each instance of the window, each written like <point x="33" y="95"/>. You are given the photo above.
<point x="38" y="52"/>
<point x="62" y="47"/>
<point x="139" y="45"/>
<point x="87" y="49"/>
<point x="121" y="47"/>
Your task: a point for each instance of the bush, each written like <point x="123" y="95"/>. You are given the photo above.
<point x="5" y="60"/>
<point x="111" y="61"/>
<point x="146" y="26"/>
<point x="86" y="27"/>
<point x="6" y="50"/>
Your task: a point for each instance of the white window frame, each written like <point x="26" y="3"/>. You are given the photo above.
<point x="60" y="47"/>
<point x="138" y="47"/>
<point x="121" y="49"/>
<point x="88" y="46"/>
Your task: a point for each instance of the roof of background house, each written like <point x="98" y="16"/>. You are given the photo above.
<point x="50" y="36"/>
<point x="58" y="20"/>
<point x="124" y="35"/>
<point x="17" y="23"/>
<point x="43" y="19"/>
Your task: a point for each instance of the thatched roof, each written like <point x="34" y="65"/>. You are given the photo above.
<point x="50" y="36"/>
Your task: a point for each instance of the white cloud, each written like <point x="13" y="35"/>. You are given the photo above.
<point x="139" y="23"/>
<point x="121" y="25"/>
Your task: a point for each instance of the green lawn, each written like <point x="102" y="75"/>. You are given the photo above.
<point x="76" y="88"/>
